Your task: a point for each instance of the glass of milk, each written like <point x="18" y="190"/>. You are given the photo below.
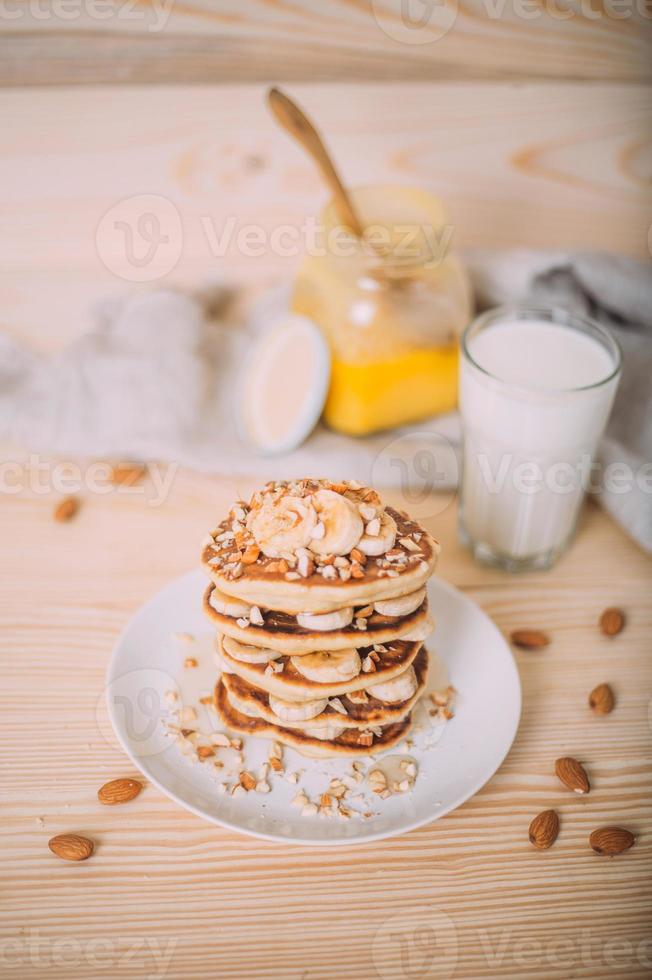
<point x="536" y="389"/>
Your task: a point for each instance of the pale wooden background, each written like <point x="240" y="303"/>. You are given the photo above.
<point x="536" y="133"/>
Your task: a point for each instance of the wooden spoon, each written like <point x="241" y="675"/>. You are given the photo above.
<point x="297" y="124"/>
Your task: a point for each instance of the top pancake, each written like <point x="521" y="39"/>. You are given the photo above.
<point x="234" y="560"/>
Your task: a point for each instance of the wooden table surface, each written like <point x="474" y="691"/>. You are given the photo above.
<point x="168" y="895"/>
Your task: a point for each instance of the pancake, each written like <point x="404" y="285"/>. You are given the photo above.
<point x="291" y="685"/>
<point x="404" y="569"/>
<point x="352" y="742"/>
<point x="281" y="631"/>
<point x="254" y="702"/>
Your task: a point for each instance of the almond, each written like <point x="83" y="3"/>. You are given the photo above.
<point x="357" y="555"/>
<point x="612" y="621"/>
<point x="71" y="847"/>
<point x="529" y="639"/>
<point x="205" y="751"/>
<point x="275" y="764"/>
<point x="544" y="829"/>
<point x="602" y="699"/>
<point x="127" y="474"/>
<point x="66" y="509"/>
<point x="611" y="840"/>
<point x="572" y="775"/>
<point x="119" y="791"/>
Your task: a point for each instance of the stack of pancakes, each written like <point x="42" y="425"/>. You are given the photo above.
<point x="318" y="594"/>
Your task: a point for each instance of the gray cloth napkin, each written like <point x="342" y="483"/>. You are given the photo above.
<point x="158" y="377"/>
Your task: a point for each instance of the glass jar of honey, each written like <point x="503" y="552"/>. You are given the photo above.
<point x="391" y="305"/>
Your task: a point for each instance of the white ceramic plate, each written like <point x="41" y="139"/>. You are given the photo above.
<point x="455" y="758"/>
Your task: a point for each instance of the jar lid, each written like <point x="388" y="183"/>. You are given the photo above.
<point x="284" y="385"/>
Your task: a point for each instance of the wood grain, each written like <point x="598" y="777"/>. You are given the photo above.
<point x="345" y="40"/>
<point x="168" y="895"/>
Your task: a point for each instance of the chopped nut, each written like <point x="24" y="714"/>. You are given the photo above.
<point x="368" y="666"/>
<point x="205" y="751"/>
<point x="365" y="611"/>
<point x="358" y="556"/>
<point x="275" y="751"/>
<point x="292" y="777"/>
<point x="250" y="554"/>
<point x="373" y="528"/>
<point x="309" y="810"/>
<point x="187" y="714"/>
<point x="409" y="544"/>
<point x="247" y="780"/>
<point x="337" y="705"/>
<point x="256" y="617"/>
<point x="171" y="697"/>
<point x="262" y="786"/>
<point x="190" y="662"/>
<point x="276" y="764"/>
<point x="305" y="566"/>
<point x="219" y="738"/>
<point x="300" y="799"/>
<point x="326" y="800"/>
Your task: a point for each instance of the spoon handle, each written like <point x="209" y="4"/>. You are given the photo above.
<point x="297" y="124"/>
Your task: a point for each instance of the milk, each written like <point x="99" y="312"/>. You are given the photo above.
<point x="535" y="393"/>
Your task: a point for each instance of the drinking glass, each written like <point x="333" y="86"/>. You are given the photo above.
<point x="536" y="390"/>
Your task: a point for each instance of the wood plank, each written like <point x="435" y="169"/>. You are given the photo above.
<point x="83" y="41"/>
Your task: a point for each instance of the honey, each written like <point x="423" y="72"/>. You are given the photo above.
<point x="391" y="308"/>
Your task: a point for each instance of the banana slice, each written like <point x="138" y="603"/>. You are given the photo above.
<point x="249" y="654"/>
<point x="297" y="710"/>
<point x="324" y="732"/>
<point x="341" y="523"/>
<point x="228" y="606"/>
<point x="325" y="622"/>
<point x="242" y="706"/>
<point x="382" y="540"/>
<point x="326" y="666"/>
<point x="281" y="526"/>
<point x="400" y="688"/>
<point x="402" y="605"/>
<point x="420" y="632"/>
